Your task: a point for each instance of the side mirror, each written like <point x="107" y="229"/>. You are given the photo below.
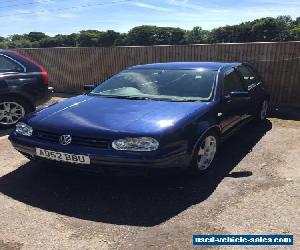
<point x="239" y="94"/>
<point x="89" y="87"/>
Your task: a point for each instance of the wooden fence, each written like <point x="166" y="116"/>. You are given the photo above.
<point x="70" y="68"/>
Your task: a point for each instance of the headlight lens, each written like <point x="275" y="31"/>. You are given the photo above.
<point x="24" y="129"/>
<point x="136" y="144"/>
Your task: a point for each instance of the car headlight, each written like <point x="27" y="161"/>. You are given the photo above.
<point x="24" y="129"/>
<point x="136" y="144"/>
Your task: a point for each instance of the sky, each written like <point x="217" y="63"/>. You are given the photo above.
<point x="65" y="17"/>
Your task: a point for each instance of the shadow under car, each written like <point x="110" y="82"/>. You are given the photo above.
<point x="134" y="200"/>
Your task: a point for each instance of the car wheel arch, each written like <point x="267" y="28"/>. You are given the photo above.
<point x="214" y="128"/>
<point x="20" y="97"/>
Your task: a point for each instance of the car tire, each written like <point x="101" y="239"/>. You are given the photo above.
<point x="262" y="112"/>
<point x="12" y="110"/>
<point x="205" y="154"/>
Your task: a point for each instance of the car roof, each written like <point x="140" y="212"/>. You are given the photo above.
<point x="187" y="65"/>
<point x="5" y="51"/>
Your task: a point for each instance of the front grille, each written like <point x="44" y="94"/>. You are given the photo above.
<point x="81" y="141"/>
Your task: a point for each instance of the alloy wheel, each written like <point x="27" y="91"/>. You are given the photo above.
<point x="206" y="152"/>
<point x="11" y="112"/>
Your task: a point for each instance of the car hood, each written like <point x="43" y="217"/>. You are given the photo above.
<point x="93" y="114"/>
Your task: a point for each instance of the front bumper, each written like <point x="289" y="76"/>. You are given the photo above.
<point x="104" y="158"/>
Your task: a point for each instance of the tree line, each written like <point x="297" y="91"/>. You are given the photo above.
<point x="281" y="28"/>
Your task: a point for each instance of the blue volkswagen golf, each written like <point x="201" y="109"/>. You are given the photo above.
<point x="164" y="115"/>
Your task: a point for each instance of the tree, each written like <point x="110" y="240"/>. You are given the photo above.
<point x="168" y="35"/>
<point x="17" y="37"/>
<point x="66" y="40"/>
<point x="266" y="29"/>
<point x="281" y="28"/>
<point x="50" y="42"/>
<point x="3" y="43"/>
<point x="233" y="33"/>
<point x="88" y="38"/>
<point x="295" y="31"/>
<point x="284" y="24"/>
<point x="108" y="38"/>
<point x="35" y="36"/>
<point x="70" y="40"/>
<point x="222" y="34"/>
<point x="141" y="35"/>
<point x="121" y="40"/>
<point x="197" y="35"/>
<point x="153" y="35"/>
<point x="21" y="43"/>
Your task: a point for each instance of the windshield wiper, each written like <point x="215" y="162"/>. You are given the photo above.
<point x="124" y="97"/>
<point x="175" y="100"/>
<point x="138" y="97"/>
<point x="147" y="98"/>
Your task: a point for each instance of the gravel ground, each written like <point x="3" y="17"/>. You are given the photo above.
<point x="254" y="190"/>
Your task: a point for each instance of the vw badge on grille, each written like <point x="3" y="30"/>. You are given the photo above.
<point x="65" y="139"/>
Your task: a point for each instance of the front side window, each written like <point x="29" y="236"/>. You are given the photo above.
<point x="7" y="65"/>
<point x="232" y="82"/>
<point x="174" y="85"/>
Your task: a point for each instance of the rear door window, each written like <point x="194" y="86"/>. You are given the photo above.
<point x="7" y="65"/>
<point x="232" y="82"/>
<point x="248" y="76"/>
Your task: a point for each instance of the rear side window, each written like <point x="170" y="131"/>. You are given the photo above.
<point x="248" y="76"/>
<point x="232" y="82"/>
<point x="7" y="65"/>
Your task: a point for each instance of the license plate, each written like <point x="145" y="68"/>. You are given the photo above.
<point x="61" y="156"/>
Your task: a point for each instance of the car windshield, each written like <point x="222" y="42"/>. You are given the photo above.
<point x="169" y="85"/>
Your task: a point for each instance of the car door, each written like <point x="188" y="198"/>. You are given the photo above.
<point x="252" y="84"/>
<point x="259" y="88"/>
<point x="233" y="109"/>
